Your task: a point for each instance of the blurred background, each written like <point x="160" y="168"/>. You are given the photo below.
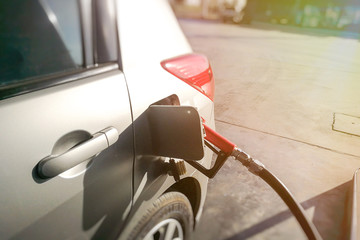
<point x="341" y="15"/>
<point x="286" y="73"/>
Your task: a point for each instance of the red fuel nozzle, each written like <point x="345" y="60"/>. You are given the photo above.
<point x="229" y="149"/>
<point x="219" y="141"/>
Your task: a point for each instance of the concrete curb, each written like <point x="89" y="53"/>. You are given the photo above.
<point x="354" y="211"/>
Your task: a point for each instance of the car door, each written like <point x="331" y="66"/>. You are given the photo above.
<point x="66" y="141"/>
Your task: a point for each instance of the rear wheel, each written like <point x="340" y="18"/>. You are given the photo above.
<point x="169" y="218"/>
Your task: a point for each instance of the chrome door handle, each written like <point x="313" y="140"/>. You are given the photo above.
<point x="52" y="166"/>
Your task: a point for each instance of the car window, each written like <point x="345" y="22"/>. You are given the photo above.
<point x="38" y="38"/>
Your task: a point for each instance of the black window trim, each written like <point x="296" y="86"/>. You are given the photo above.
<point x="119" y="60"/>
<point x="85" y="8"/>
<point x="105" y="17"/>
<point x="51" y="80"/>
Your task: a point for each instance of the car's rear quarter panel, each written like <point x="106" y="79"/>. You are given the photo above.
<point x="149" y="33"/>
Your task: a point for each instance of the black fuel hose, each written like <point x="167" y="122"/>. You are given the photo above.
<point x="260" y="170"/>
<point x="298" y="211"/>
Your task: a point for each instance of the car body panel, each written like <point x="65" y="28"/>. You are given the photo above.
<point x="142" y="51"/>
<point x="31" y="126"/>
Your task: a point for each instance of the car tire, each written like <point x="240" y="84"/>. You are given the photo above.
<point x="170" y="214"/>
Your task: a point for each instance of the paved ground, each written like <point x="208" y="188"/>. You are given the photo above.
<point x="278" y="92"/>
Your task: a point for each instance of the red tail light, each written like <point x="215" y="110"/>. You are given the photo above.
<point x="195" y="70"/>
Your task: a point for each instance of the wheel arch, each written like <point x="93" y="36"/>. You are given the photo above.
<point x="191" y="188"/>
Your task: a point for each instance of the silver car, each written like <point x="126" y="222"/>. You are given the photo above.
<point x="77" y="78"/>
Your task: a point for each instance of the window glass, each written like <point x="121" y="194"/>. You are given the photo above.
<point x="38" y="38"/>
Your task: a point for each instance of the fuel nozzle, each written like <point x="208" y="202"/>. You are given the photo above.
<point x="230" y="149"/>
